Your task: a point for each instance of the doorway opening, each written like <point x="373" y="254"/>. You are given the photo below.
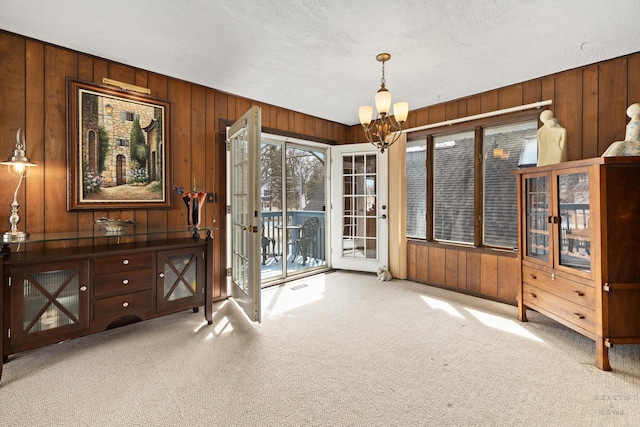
<point x="294" y="200"/>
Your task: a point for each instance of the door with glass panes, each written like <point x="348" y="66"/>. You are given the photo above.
<point x="243" y="139"/>
<point x="360" y="237"/>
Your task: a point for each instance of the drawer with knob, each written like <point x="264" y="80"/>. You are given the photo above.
<point x="123" y="282"/>
<point x="578" y="293"/>
<point x="110" y="264"/>
<point x="121" y="305"/>
<point x="549" y="303"/>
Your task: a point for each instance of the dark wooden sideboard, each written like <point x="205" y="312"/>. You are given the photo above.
<point x="51" y="295"/>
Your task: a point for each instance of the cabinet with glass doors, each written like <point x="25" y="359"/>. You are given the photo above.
<point x="51" y="295"/>
<point x="579" y="246"/>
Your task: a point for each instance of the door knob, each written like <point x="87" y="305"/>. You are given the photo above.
<point x="383" y="216"/>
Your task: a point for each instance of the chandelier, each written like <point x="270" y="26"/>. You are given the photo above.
<point x="386" y="128"/>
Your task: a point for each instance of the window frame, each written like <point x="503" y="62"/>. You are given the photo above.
<point x="477" y="126"/>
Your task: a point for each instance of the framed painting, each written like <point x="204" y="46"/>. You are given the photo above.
<point x="119" y="148"/>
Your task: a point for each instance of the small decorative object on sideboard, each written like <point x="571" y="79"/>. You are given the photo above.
<point x="631" y="144"/>
<point x="115" y="226"/>
<point x="194" y="200"/>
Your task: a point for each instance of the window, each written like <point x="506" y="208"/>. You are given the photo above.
<point x="471" y="204"/>
<point x="128" y="116"/>
<point x="453" y="196"/>
<point x="122" y="142"/>
<point x="416" y="161"/>
<point x="502" y="148"/>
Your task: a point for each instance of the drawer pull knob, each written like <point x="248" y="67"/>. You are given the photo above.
<point x="553" y="276"/>
<point x="125" y="261"/>
<point x="580" y="316"/>
<point x="125" y="282"/>
<point x="161" y="274"/>
<point x="83" y="288"/>
<point x="580" y="294"/>
<point x="533" y="295"/>
<point x="533" y="276"/>
<point x="125" y="304"/>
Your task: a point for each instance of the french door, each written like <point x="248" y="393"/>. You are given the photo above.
<point x="359" y="188"/>
<point x="243" y="139"/>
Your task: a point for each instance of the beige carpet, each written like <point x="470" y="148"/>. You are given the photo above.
<point x="339" y="349"/>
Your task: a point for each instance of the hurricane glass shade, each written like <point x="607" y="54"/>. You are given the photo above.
<point x="401" y="111"/>
<point x="383" y="101"/>
<point x="17" y="162"/>
<point x="366" y="114"/>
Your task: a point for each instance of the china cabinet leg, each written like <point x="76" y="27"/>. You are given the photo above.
<point x="5" y="359"/>
<point x="195" y="309"/>
<point x="602" y="354"/>
<point x="522" y="311"/>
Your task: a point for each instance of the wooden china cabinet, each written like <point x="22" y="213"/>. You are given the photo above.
<point x="579" y="248"/>
<point x="50" y="295"/>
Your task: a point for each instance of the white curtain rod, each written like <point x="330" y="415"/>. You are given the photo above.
<point x="480" y="116"/>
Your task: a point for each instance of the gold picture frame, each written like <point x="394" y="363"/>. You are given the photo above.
<point x="119" y="147"/>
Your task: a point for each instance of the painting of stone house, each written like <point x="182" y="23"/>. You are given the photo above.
<point x="121" y="149"/>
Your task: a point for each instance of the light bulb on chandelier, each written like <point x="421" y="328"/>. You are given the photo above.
<point x="387" y="127"/>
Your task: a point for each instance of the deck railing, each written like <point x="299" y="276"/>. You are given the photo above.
<point x="273" y="225"/>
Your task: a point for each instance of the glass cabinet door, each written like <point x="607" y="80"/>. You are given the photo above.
<point x="536" y="218"/>
<point x="181" y="277"/>
<point x="574" y="212"/>
<point x="49" y="297"/>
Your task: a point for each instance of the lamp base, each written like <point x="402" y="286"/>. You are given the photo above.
<point x="15" y="236"/>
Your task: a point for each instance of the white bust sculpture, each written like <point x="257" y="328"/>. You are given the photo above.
<point x="631" y="144"/>
<point x="552" y="139"/>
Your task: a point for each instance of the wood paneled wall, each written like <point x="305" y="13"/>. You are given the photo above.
<point x="480" y="272"/>
<point x="33" y="94"/>
<point x="590" y="102"/>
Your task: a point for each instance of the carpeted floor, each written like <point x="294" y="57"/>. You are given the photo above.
<point x="339" y="349"/>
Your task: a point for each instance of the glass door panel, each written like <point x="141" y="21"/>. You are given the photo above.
<point x="272" y="224"/>
<point x="574" y="210"/>
<point x="305" y="174"/>
<point x="48" y="297"/>
<point x="359" y="239"/>
<point x="179" y="277"/>
<point x="537" y="215"/>
<point x="293" y="189"/>
<point x="51" y="300"/>
<point x="240" y="213"/>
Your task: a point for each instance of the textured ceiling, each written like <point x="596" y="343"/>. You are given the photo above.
<point x="318" y="56"/>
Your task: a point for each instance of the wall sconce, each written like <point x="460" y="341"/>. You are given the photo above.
<point x="108" y="109"/>
<point x="18" y="164"/>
